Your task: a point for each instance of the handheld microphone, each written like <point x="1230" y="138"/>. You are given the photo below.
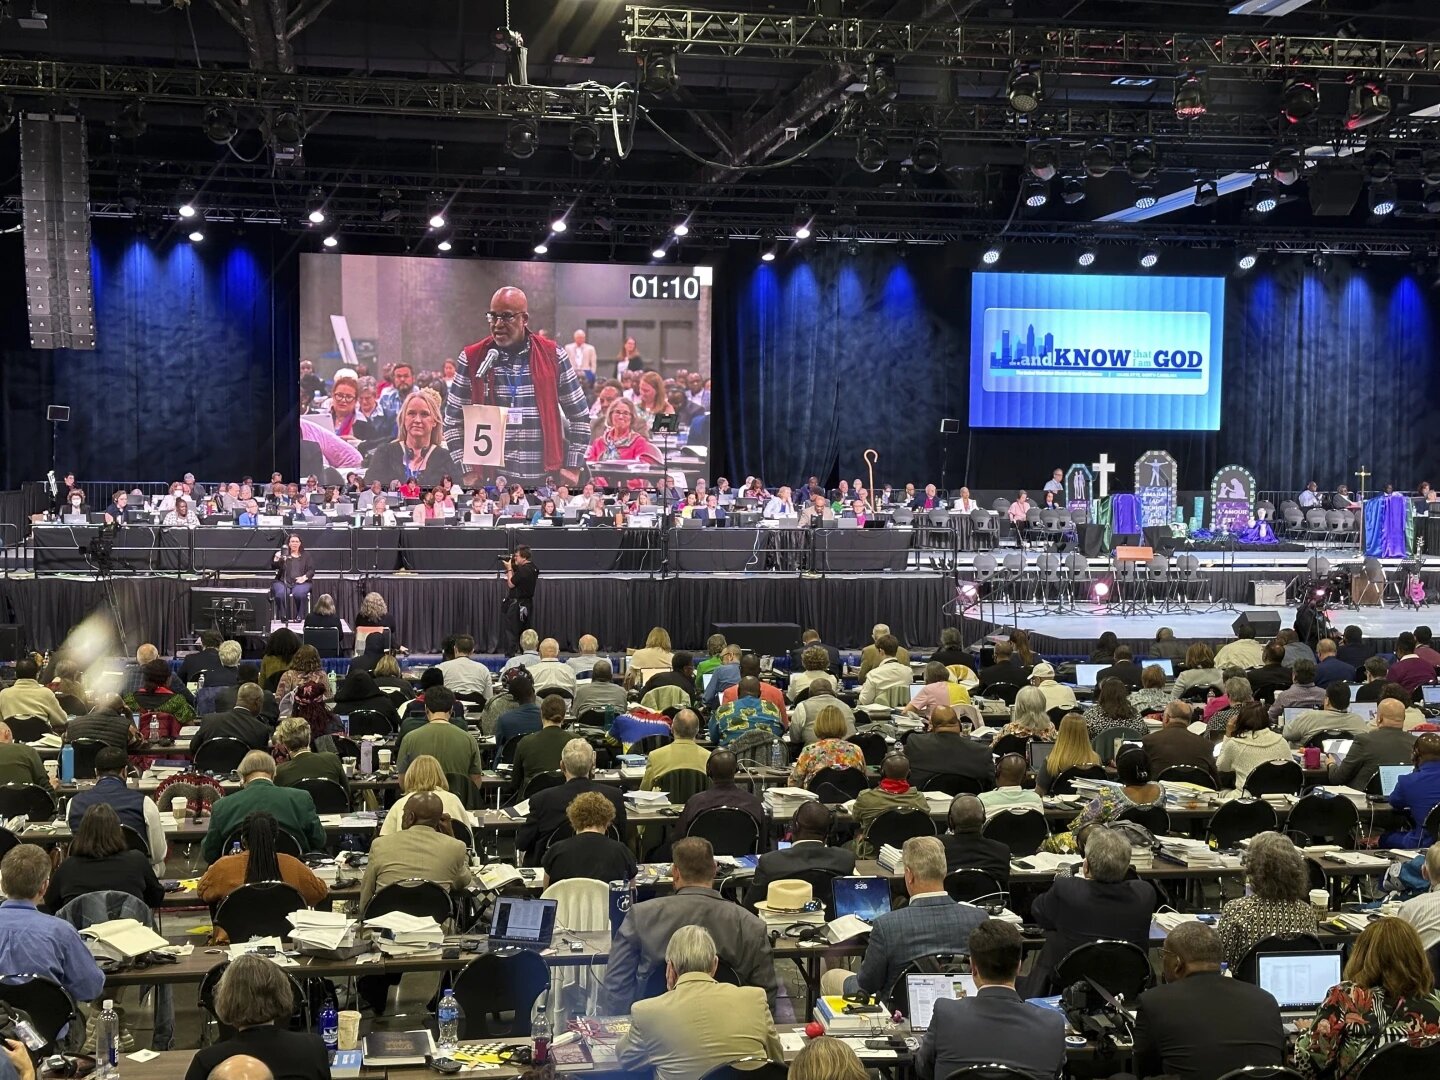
<point x="489" y="362"/>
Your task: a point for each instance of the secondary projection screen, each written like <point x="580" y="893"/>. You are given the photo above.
<point x="376" y="329"/>
<point x="1096" y="351"/>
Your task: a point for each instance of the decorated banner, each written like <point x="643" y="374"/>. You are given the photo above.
<point x="1155" y="481"/>
<point x="1078" y="490"/>
<point x="1232" y="499"/>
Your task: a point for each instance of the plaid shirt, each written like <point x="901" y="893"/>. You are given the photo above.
<point x="515" y="390"/>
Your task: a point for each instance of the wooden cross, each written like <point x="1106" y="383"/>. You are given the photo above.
<point x="1363" y="474"/>
<point x="1103" y="468"/>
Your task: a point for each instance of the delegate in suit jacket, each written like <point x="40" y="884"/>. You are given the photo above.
<point x="1205" y="1026"/>
<point x="236" y="724"/>
<point x="416" y="852"/>
<point x="698" y="1025"/>
<point x="639" y="945"/>
<point x="995" y="1026"/>
<point x="1074" y="912"/>
<point x="933" y="753"/>
<point x="547" y="812"/>
<point x="293" y="809"/>
<point x="310" y="764"/>
<point x="971" y="851"/>
<point x="797" y="662"/>
<point x="1382" y="746"/>
<point x="928" y="924"/>
<point x="798" y="858"/>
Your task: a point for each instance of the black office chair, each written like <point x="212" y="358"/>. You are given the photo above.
<point x="748" y="1068"/>
<point x="1432" y="823"/>
<point x="988" y="1072"/>
<point x="680" y="784"/>
<point x="507" y="752"/>
<point x="1239" y="820"/>
<point x="838" y="784"/>
<point x="555" y="691"/>
<point x="364" y="722"/>
<point x="541" y="781"/>
<point x="873" y="745"/>
<point x="325" y="639"/>
<point x="1010" y="744"/>
<point x="286" y="842"/>
<point x="1022" y="831"/>
<point x="1275" y="778"/>
<point x="1248" y="969"/>
<point x="220" y="756"/>
<point x="29" y="799"/>
<point x="954" y="784"/>
<point x="329" y="797"/>
<point x="26" y="729"/>
<point x="299" y="1013"/>
<point x="1064" y="782"/>
<point x="346" y="748"/>
<point x="496" y="985"/>
<point x="651" y="742"/>
<point x="85" y="751"/>
<point x="1404" y="1060"/>
<point x="134" y="841"/>
<point x="1001" y="691"/>
<point x="46" y="1003"/>
<point x="896" y="825"/>
<point x="1153" y="818"/>
<point x="413" y="896"/>
<point x="968" y="885"/>
<point x="258" y="909"/>
<point x="730" y="831"/>
<point x="8" y="840"/>
<point x="464" y="789"/>
<point x="821" y="882"/>
<point x="1188" y="774"/>
<point x="1121" y="967"/>
<point x="1322" y="818"/>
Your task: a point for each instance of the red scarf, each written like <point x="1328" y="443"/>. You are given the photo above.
<point x="895" y="787"/>
<point x="545" y="374"/>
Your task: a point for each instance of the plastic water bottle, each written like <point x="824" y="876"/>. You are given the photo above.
<point x="540" y="1032"/>
<point x="107" y="1044"/>
<point x="330" y="1026"/>
<point x="67" y="764"/>
<point x="154" y="728"/>
<point x="777" y="755"/>
<point x="235" y="846"/>
<point x="448" y="1015"/>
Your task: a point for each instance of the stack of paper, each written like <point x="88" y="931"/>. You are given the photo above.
<point x="1190" y="852"/>
<point x="322" y="929"/>
<point x="406" y="933"/>
<point x="254" y="945"/>
<point x="632" y="772"/>
<point x="1045" y="862"/>
<point x="939" y="801"/>
<point x="649" y="800"/>
<point x="891" y="858"/>
<point x="782" y="802"/>
<point x="1177" y="793"/>
<point x="1355" y="795"/>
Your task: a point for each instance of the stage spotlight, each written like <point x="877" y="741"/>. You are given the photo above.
<point x="991" y="255"/>
<point x="1207" y="193"/>
<point x="870" y="151"/>
<point x="1024" y="89"/>
<point x="219" y="124"/>
<point x="661" y="76"/>
<point x="196" y="235"/>
<point x="285" y="127"/>
<point x="880" y="85"/>
<point x="437" y="213"/>
<point x="185" y="199"/>
<point x="1036" y="193"/>
<point x="7" y="113"/>
<point x="541" y="248"/>
<point x="1072" y="190"/>
<point x="1379" y="165"/>
<point x="1285" y="165"/>
<point x="1144" y="196"/>
<point x="1100" y="591"/>
<point x="557" y="217"/>
<point x="1431" y="199"/>
<point x="1263" y="197"/>
<point x="1140" y="163"/>
<point x="522" y="138"/>
<point x="1149" y="257"/>
<point x="1247" y="259"/>
<point x="768" y="255"/>
<point x="1299" y="99"/>
<point x="1042" y="161"/>
<point x="969" y="593"/>
<point x="331" y="240"/>
<point x="1382" y="197"/>
<point x="1086" y="257"/>
<point x="1099" y="160"/>
<point x="659" y="251"/>
<point x="584" y="141"/>
<point x="1190" y="100"/>
<point x="132" y="196"/>
<point x="925" y="156"/>
<point x="1319" y="592"/>
<point x="316" y="204"/>
<point x="390" y="205"/>
<point x="444" y="244"/>
<point x="130" y="124"/>
<point x="1369" y="103"/>
<point x="682" y="226"/>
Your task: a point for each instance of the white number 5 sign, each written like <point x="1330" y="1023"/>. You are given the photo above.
<point x="485" y="435"/>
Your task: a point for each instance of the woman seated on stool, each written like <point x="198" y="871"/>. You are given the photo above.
<point x="258" y="862"/>
<point x="294" y="571"/>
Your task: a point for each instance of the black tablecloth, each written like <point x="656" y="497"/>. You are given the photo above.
<point x="587" y="551"/>
<point x="228" y="550"/>
<point x="1428" y="527"/>
<point x="137" y="549"/>
<point x="852" y="550"/>
<point x="455" y="549"/>
<point x="715" y="549"/>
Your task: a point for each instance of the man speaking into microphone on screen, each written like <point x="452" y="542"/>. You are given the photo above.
<point x="527" y="413"/>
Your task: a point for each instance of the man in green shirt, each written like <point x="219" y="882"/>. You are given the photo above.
<point x="682" y="753"/>
<point x="293" y="810"/>
<point x="20" y="764"/>
<point x="714" y="646"/>
<point x="539" y="752"/>
<point x="454" y="749"/>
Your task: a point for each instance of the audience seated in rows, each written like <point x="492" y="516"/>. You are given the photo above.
<point x="539" y="752"/>
<point x="294" y="810"/>
<point x="600" y="692"/>
<point x="1009" y="792"/>
<point x="591" y="852"/>
<point x="98" y="859"/>
<point x="452" y="747"/>
<point x="894" y="792"/>
<point x="547" y="807"/>
<point x="945" y="751"/>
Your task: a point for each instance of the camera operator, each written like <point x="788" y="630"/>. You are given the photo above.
<point x="521" y="575"/>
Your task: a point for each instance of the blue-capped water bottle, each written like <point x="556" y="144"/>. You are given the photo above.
<point x="330" y="1026"/>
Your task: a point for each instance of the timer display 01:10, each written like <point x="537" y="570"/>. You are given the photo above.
<point x="664" y="287"/>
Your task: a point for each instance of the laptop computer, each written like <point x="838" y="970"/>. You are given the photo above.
<point x="867" y="898"/>
<point x="1163" y="663"/>
<point x="1086" y="674"/>
<point x="522" y="923"/>
<point x="923" y="991"/>
<point x="847" y="523"/>
<point x="1430" y="695"/>
<point x="1390" y="775"/>
<point x="1364" y="708"/>
<point x="1298" y="981"/>
<point x="1037" y="752"/>
<point x="915" y="689"/>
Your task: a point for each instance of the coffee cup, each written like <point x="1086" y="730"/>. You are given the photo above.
<point x="1320" y="901"/>
<point x="52" y="769"/>
<point x="383" y="757"/>
<point x="349" y="1034"/>
<point x="349" y="764"/>
<point x="178" y="806"/>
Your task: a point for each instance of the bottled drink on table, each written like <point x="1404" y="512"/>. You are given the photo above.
<point x="448" y="1015"/>
<point x="107" y="1043"/>
<point x="330" y="1026"/>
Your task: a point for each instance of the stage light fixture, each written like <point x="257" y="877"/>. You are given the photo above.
<point x="1144" y="196"/>
<point x="131" y="193"/>
<point x="1430" y="166"/>
<point x="1369" y="103"/>
<point x="558" y="223"/>
<point x="991" y="255"/>
<point x="969" y="593"/>
<point x="1191" y="99"/>
<point x="331" y="240"/>
<point x="541" y="248"/>
<point x="131" y="123"/>
<point x="768" y="255"/>
<point x="1379" y="165"/>
<point x="1285" y="165"/>
<point x="1072" y="190"/>
<point x="1207" y="193"/>
<point x="1024" y="89"/>
<point x="1246" y="259"/>
<point x="584" y="141"/>
<point x="219" y="124"/>
<point x="7" y="113"/>
<point x="880" y="84"/>
<point x="1141" y="162"/>
<point x="1263" y="197"/>
<point x="1149" y="257"/>
<point x="660" y="250"/>
<point x="1100" y="591"/>
<point x="925" y="156"/>
<point x="444" y="244"/>
<point x="871" y="151"/>
<point x="1299" y="99"/>
<point x="285" y="127"/>
<point x="185" y="199"/>
<point x="390" y="205"/>
<point x="1035" y="193"/>
<point x="681" y="227"/>
<point x="316" y="205"/>
<point x="661" y="76"/>
<point x="522" y="138"/>
<point x="1099" y="160"/>
<point x="1042" y="160"/>
<point x="1430" y="200"/>
<point x="437" y="206"/>
<point x="1086" y="257"/>
<point x="196" y="235"/>
<point x="1382" y="197"/>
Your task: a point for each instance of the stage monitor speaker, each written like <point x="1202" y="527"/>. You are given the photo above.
<point x="1334" y="189"/>
<point x="1266" y="623"/>
<point x="765" y="638"/>
<point x="12" y="641"/>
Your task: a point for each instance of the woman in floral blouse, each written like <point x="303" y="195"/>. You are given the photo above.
<point x="1279" y="901"/>
<point x="1388" y="995"/>
<point x="828" y="751"/>
<point x="1152" y="697"/>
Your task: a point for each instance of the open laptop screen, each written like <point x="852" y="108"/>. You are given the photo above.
<point x="866" y="898"/>
<point x="1298" y="980"/>
<point x="521" y="921"/>
<point x="1390" y="776"/>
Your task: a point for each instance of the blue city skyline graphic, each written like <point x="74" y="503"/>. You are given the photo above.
<point x="1034" y="351"/>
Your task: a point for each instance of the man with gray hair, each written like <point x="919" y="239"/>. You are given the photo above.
<point x="682" y="752"/>
<point x="241" y="1067"/>
<point x="871" y="657"/>
<point x="583" y="662"/>
<point x="699" y="1023"/>
<point x="1423" y="911"/>
<point x="547" y="808"/>
<point x="228" y="673"/>
<point x="292" y="808"/>
<point x="1199" y="1024"/>
<point x="804" y="714"/>
<point x="1174" y="744"/>
<point x="529" y="653"/>
<point x="1099" y="904"/>
<point x="600" y="691"/>
<point x="930" y="923"/>
<point x="552" y="673"/>
<point x="242" y="722"/>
